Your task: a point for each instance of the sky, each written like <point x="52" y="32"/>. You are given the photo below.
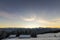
<point x="29" y="13"/>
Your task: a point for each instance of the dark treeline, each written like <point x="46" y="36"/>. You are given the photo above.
<point x="5" y="32"/>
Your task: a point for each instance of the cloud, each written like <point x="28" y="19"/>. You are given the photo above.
<point x="5" y="15"/>
<point x="30" y="17"/>
<point x="42" y="21"/>
<point x="56" y="20"/>
<point x="47" y="23"/>
<point x="52" y="21"/>
<point x="9" y="15"/>
<point x="13" y="16"/>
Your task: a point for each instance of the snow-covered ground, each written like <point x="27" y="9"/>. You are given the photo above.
<point x="49" y="36"/>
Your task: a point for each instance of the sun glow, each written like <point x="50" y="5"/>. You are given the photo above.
<point x="31" y="25"/>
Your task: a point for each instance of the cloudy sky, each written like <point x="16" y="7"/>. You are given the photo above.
<point x="30" y="13"/>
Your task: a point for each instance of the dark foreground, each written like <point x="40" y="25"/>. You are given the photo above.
<point x="6" y="32"/>
<point x="48" y="36"/>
